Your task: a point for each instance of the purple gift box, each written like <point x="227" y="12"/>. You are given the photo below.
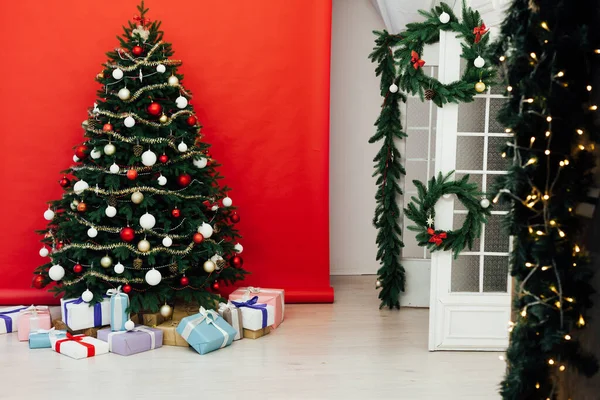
<point x="126" y="343"/>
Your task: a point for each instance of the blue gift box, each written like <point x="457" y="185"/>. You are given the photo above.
<point x="206" y="331"/>
<point x="41" y="339"/>
<point x="119" y="303"/>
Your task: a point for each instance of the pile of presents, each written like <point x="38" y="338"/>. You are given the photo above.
<point x="86" y="330"/>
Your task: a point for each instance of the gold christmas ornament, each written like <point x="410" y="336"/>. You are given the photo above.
<point x="137" y="263"/>
<point x="166" y="311"/>
<point x="143" y="246"/>
<point x="480" y="87"/>
<point x="137" y="197"/>
<point x="106" y="261"/>
<point x="209" y="266"/>
<point x="163" y="118"/>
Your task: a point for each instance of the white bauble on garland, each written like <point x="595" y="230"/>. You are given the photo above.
<point x="393" y="88"/>
<point x="110" y="149"/>
<point x="44" y="251"/>
<point x="124" y="94"/>
<point x="153" y="277"/>
<point x="92" y="232"/>
<point x="80" y="186"/>
<point x="444" y="17"/>
<point x="119" y="268"/>
<point x="181" y="102"/>
<point x="167" y="241"/>
<point x="200" y="163"/>
<point x="227" y="202"/>
<point x="147" y="221"/>
<point x="173" y="80"/>
<point x="206" y="230"/>
<point x="484" y="203"/>
<point x="48" y="215"/>
<point x="148" y="158"/>
<point x="182" y="147"/>
<point x="95" y="154"/>
<point x="87" y="296"/>
<point x="161" y="69"/>
<point x="129" y="122"/>
<point x="479" y="62"/>
<point x="238" y="248"/>
<point x="114" y="169"/>
<point x="162" y="181"/>
<point x="56" y="272"/>
<point x="75" y="158"/>
<point x="117" y="73"/>
<point x="110" y="211"/>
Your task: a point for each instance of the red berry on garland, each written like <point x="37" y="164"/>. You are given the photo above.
<point x="64" y="182"/>
<point x="82" y="207"/>
<point x="154" y="109"/>
<point x="235" y="218"/>
<point x="38" y="282"/>
<point x="198" y="238"/>
<point x="191" y="120"/>
<point x="184" y="179"/>
<point x="126" y="288"/>
<point x="184" y="281"/>
<point x="127" y="234"/>
<point x="107" y="128"/>
<point x="237" y="261"/>
<point x="163" y="159"/>
<point x="137" y="50"/>
<point x="77" y="268"/>
<point x="176" y="213"/>
<point x="215" y="286"/>
<point x="132" y="174"/>
<point x="81" y="152"/>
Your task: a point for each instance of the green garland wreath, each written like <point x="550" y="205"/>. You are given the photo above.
<point x="479" y="70"/>
<point x="423" y="213"/>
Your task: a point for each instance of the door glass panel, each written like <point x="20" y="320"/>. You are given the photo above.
<point x="496" y="238"/>
<point x="495" y="161"/>
<point x="469" y="151"/>
<point x="471" y="116"/>
<point x="465" y="274"/>
<point x="495" y="274"/>
<point x="495" y="107"/>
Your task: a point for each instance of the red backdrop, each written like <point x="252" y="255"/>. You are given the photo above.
<point x="260" y="74"/>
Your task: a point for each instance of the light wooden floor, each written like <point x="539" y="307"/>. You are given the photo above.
<point x="346" y="350"/>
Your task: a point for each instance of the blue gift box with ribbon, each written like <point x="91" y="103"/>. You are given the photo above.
<point x="78" y="314"/>
<point x="119" y="303"/>
<point x="206" y="331"/>
<point x="9" y="318"/>
<point x="40" y="339"/>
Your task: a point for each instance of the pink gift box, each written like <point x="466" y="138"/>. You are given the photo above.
<point x="32" y="319"/>
<point x="272" y="297"/>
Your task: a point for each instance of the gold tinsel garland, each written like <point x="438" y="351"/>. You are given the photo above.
<point x="96" y="247"/>
<point x="145" y="121"/>
<point x="134" y="139"/>
<point x="141" y="91"/>
<point x="149" y="190"/>
<point x="185" y="156"/>
<point x="144" y="62"/>
<point x="111" y="278"/>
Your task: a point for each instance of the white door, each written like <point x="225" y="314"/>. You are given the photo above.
<point x="470" y="295"/>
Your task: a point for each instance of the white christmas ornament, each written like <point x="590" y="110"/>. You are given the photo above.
<point x="200" y="163"/>
<point x="92" y="232"/>
<point x="147" y="221"/>
<point x="114" y="169"/>
<point x="393" y="88"/>
<point x="173" y="81"/>
<point x="153" y="277"/>
<point x="129" y="122"/>
<point x="444" y="17"/>
<point x="75" y="158"/>
<point x="209" y="266"/>
<point x="167" y="241"/>
<point x="206" y="230"/>
<point x="110" y="211"/>
<point x="95" y="154"/>
<point x="87" y="296"/>
<point x="227" y="202"/>
<point x="148" y="158"/>
<point x="162" y="181"/>
<point x="129" y="325"/>
<point x="124" y="94"/>
<point x="119" y="268"/>
<point x="56" y="272"/>
<point x="48" y="214"/>
<point x="44" y="251"/>
<point x="182" y="147"/>
<point x="137" y="197"/>
<point x="238" y="248"/>
<point x="214" y="208"/>
<point x="484" y="203"/>
<point x="117" y="73"/>
<point x="143" y="245"/>
<point x="161" y="69"/>
<point x="110" y="149"/>
<point x="479" y="62"/>
<point x="181" y="102"/>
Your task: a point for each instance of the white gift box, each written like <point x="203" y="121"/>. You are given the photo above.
<point x="9" y="318"/>
<point x="79" y="315"/>
<point x="79" y="346"/>
<point x="253" y="314"/>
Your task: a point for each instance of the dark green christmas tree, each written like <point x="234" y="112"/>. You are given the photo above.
<point x="548" y="51"/>
<point x="142" y="206"/>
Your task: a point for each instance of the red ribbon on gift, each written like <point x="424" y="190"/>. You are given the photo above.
<point x="436" y="238"/>
<point x="91" y="350"/>
<point x="479" y="31"/>
<point x="415" y="60"/>
<point x="141" y="21"/>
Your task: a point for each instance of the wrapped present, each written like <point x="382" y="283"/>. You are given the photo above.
<point x="170" y="335"/>
<point x="79" y="346"/>
<point x="206" y="331"/>
<point x="272" y="297"/>
<point x="249" y="334"/>
<point x="32" y="319"/>
<point x="119" y="303"/>
<point x="58" y="324"/>
<point x="233" y="316"/>
<point x="182" y="309"/>
<point x="9" y="318"/>
<point x="40" y="339"/>
<point x="255" y="316"/>
<point x="139" y="339"/>
<point x="152" y="319"/>
<point x="78" y="314"/>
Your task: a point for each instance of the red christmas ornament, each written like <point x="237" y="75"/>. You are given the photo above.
<point x="184" y="281"/>
<point x="184" y="179"/>
<point x="64" y="182"/>
<point x="137" y="50"/>
<point x="198" y="238"/>
<point x="38" y="282"/>
<point x="81" y="152"/>
<point x="163" y="159"/>
<point x="237" y="261"/>
<point x="107" y="128"/>
<point x="59" y="245"/>
<point x="154" y="109"/>
<point x="176" y="213"/>
<point x="191" y="120"/>
<point x="215" y="286"/>
<point x="132" y="174"/>
<point x="127" y="234"/>
<point x="126" y="288"/>
<point x="77" y="268"/>
<point x="235" y="218"/>
<point x="82" y="207"/>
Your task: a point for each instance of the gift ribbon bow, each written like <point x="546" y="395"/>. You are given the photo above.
<point x="479" y="31"/>
<point x="436" y="238"/>
<point x="252" y="304"/>
<point x="415" y="60"/>
<point x="34" y="310"/>
<point x="7" y="319"/>
<point x="91" y="350"/>
<point x="141" y="21"/>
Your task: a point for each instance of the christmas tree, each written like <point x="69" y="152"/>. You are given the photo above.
<point x="142" y="207"/>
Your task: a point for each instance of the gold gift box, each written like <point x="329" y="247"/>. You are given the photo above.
<point x="170" y="335"/>
<point x="248" y="334"/>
